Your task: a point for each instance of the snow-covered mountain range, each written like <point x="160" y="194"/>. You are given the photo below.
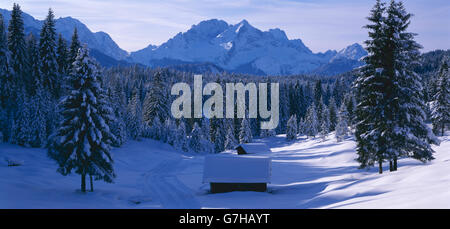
<point x="99" y="41"/>
<point x="246" y="49"/>
<point x="214" y="45"/>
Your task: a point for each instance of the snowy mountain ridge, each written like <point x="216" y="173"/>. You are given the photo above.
<point x="245" y="49"/>
<point x="100" y="41"/>
<point x="215" y="44"/>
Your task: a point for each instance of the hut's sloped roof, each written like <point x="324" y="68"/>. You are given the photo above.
<point x="236" y="169"/>
<point x="255" y="148"/>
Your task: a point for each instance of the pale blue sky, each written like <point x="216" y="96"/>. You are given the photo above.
<point x="321" y="24"/>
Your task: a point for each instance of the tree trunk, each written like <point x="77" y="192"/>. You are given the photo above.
<point x="83" y="182"/>
<point x="380" y="166"/>
<point x="92" y="183"/>
<point x="391" y="166"/>
<point x="395" y="163"/>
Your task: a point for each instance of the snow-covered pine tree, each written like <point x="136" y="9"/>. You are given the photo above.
<point x="47" y="51"/>
<point x="22" y="132"/>
<point x="155" y="102"/>
<point x="342" y="123"/>
<point x="369" y="87"/>
<point x="219" y="140"/>
<point x="75" y="45"/>
<point x="181" y="140"/>
<point x="407" y="131"/>
<point x="321" y="109"/>
<point x="350" y="101"/>
<point x="292" y="128"/>
<point x="332" y="113"/>
<point x="325" y="126"/>
<point x="83" y="139"/>
<point x="62" y="56"/>
<point x="196" y="140"/>
<point x="16" y="46"/>
<point x="118" y="126"/>
<point x="301" y="126"/>
<point x="133" y="119"/>
<point x="245" y="133"/>
<point x="33" y="72"/>
<point x="318" y="94"/>
<point x="171" y="130"/>
<point x="311" y="122"/>
<point x="6" y="83"/>
<point x="441" y="100"/>
<point x="40" y="115"/>
<point x="230" y="140"/>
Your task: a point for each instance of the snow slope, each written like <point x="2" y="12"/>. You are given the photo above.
<point x="305" y="174"/>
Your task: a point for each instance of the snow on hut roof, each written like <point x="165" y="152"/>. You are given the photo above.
<point x="236" y="169"/>
<point x="255" y="148"/>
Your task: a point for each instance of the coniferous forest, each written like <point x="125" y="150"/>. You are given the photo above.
<point x="54" y="95"/>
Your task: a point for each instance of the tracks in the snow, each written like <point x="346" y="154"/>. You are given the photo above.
<point x="162" y="185"/>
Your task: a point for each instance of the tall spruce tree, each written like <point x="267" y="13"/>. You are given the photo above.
<point x="441" y="103"/>
<point x="83" y="139"/>
<point x="47" y="51"/>
<point x="370" y="116"/>
<point x="342" y="123"/>
<point x="75" y="45"/>
<point x="155" y="102"/>
<point x="311" y="122"/>
<point x="6" y="83"/>
<point x="133" y="117"/>
<point x="62" y="56"/>
<point x="17" y="50"/>
<point x="390" y="114"/>
<point x="196" y="140"/>
<point x="230" y="140"/>
<point x="332" y="109"/>
<point x="292" y="128"/>
<point x="411" y="137"/>
<point x="245" y="133"/>
<point x="33" y="71"/>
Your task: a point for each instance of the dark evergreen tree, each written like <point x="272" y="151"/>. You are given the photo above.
<point x="83" y="138"/>
<point x="75" y="45"/>
<point x="62" y="56"/>
<point x="17" y="47"/>
<point x="441" y="103"/>
<point x="6" y="83"/>
<point x="318" y="93"/>
<point x="33" y="71"/>
<point x="155" y="102"/>
<point x="332" y="109"/>
<point x="410" y="135"/>
<point x="292" y="128"/>
<point x="133" y="118"/>
<point x="245" y="133"/>
<point x="390" y="114"/>
<point x="47" y="51"/>
<point x="369" y="86"/>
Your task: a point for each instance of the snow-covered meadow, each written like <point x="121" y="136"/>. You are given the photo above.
<point x="306" y="173"/>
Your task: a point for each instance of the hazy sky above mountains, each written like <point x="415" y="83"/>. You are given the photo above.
<point x="321" y="24"/>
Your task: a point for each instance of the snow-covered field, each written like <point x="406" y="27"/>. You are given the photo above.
<point x="305" y="174"/>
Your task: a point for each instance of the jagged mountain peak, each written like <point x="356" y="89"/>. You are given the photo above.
<point x="353" y="52"/>
<point x="240" y="47"/>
